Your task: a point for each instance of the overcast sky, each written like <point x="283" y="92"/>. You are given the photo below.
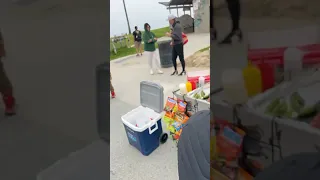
<point x="139" y="12"/>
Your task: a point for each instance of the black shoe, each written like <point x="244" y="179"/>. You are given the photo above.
<point x="182" y="73"/>
<point x="174" y="73"/>
<point x="226" y="41"/>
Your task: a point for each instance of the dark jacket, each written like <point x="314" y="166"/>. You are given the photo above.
<point x="176" y="34"/>
<point x="137" y="35"/>
<point x="148" y="35"/>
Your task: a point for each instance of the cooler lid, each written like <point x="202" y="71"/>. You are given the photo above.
<point x="151" y="95"/>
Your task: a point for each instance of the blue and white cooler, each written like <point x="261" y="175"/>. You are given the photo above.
<point x="143" y="124"/>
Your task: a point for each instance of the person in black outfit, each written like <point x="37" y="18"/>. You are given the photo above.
<point x="234" y="10"/>
<point x="137" y="40"/>
<point x="177" y="44"/>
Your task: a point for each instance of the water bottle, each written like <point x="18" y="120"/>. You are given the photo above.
<point x="201" y="81"/>
<point x="292" y="63"/>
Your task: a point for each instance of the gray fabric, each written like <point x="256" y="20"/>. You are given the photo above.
<point x="177" y="33"/>
<point x="304" y="166"/>
<point x="194" y="148"/>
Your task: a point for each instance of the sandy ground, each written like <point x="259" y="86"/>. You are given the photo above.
<point x="199" y="59"/>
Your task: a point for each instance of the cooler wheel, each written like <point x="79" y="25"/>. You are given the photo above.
<point x="163" y="138"/>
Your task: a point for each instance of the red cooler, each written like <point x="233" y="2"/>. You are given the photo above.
<point x="193" y="77"/>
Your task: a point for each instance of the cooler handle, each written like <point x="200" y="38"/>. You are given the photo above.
<point x="154" y="123"/>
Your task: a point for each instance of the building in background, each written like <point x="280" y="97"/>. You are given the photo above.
<point x="198" y="21"/>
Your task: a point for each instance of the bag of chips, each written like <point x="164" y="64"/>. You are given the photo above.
<point x="170" y="104"/>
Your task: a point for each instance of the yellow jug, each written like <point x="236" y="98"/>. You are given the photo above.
<point x="252" y="79"/>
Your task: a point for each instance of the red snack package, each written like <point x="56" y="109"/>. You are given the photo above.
<point x="170" y="104"/>
<point x="182" y="107"/>
<point x="229" y="143"/>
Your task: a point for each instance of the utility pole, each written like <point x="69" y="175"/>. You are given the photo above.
<point x="125" y="10"/>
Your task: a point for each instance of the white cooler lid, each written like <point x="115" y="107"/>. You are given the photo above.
<point x="151" y="96"/>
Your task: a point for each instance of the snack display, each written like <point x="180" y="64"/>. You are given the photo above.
<point x="175" y="116"/>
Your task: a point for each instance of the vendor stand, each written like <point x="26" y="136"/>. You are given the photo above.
<point x="280" y="136"/>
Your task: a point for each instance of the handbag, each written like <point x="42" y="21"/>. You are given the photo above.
<point x="184" y="38"/>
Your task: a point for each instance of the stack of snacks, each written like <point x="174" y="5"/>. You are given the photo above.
<point x="227" y="151"/>
<point x="175" y="116"/>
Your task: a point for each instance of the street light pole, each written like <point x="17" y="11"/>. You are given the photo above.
<point x="125" y="10"/>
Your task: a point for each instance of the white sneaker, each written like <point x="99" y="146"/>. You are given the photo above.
<point x="160" y="72"/>
<point x="151" y="71"/>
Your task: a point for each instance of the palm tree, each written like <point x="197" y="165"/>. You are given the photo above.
<point x="125" y="10"/>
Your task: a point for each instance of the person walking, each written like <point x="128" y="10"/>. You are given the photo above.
<point x="137" y="40"/>
<point x="177" y="44"/>
<point x="235" y="13"/>
<point x="149" y="40"/>
<point x="113" y="94"/>
<point x="6" y="89"/>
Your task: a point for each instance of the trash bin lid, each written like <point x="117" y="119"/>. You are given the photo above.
<point x="151" y="95"/>
<point x="164" y="40"/>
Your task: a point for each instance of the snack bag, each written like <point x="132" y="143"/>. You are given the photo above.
<point x="177" y="125"/>
<point x="170" y="104"/>
<point x="229" y="143"/>
<point x="182" y="107"/>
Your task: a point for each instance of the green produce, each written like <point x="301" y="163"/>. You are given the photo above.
<point x="272" y="106"/>
<point x="206" y="96"/>
<point x="201" y="95"/>
<point x="307" y="112"/>
<point x="296" y="102"/>
<point x="298" y="98"/>
<point x="295" y="105"/>
<point x="281" y="109"/>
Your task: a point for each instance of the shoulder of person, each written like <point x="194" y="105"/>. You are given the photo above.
<point x="178" y="25"/>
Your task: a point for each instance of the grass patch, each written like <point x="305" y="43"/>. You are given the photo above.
<point x="204" y="49"/>
<point x="124" y="51"/>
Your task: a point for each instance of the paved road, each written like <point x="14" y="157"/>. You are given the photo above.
<point x="52" y="54"/>
<point x="126" y="162"/>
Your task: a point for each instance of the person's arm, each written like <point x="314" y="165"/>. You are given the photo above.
<point x="155" y="38"/>
<point x="175" y="34"/>
<point x="134" y="35"/>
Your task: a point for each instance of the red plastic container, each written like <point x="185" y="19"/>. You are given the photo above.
<point x="194" y="85"/>
<point x="267" y="76"/>
<point x="193" y="77"/>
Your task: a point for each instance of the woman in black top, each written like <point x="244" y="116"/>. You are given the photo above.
<point x="137" y="40"/>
